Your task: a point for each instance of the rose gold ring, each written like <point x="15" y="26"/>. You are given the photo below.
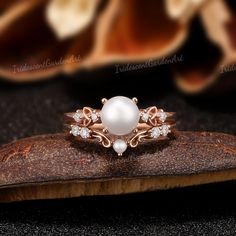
<point x="119" y="123"/>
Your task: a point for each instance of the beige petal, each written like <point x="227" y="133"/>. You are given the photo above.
<point x="182" y="9"/>
<point x="69" y="17"/>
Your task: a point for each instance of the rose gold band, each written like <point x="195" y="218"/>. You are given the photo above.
<point x="154" y="124"/>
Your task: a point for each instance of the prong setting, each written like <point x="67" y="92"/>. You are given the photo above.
<point x="135" y="100"/>
<point x="104" y="100"/>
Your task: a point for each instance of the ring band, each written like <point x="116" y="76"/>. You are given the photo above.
<point x="119" y="123"/>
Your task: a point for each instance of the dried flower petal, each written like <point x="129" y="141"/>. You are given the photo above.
<point x="69" y="17"/>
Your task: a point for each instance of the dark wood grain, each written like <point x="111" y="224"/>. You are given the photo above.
<point x="54" y="166"/>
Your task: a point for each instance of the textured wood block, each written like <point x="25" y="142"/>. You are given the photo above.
<point x="54" y="166"/>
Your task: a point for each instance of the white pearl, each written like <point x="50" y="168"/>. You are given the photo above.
<point x="119" y="146"/>
<point x="120" y="115"/>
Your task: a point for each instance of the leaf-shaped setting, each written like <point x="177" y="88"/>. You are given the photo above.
<point x="87" y="112"/>
<point x="152" y="111"/>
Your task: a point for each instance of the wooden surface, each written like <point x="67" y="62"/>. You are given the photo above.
<point x="53" y="166"/>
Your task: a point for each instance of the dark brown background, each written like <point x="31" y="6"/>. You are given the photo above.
<point x="32" y="109"/>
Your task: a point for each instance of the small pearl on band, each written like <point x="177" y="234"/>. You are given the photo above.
<point x="119" y="146"/>
<point x="120" y="123"/>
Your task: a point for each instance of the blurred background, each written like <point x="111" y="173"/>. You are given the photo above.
<point x="59" y="55"/>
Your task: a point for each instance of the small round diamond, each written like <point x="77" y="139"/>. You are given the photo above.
<point x="94" y="116"/>
<point x="75" y="130"/>
<point x="155" y="132"/>
<point x="145" y="116"/>
<point x="77" y="116"/>
<point x="165" y="129"/>
<point x="162" y="116"/>
<point x="84" y="132"/>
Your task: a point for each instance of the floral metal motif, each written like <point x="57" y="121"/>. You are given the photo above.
<point x="149" y="119"/>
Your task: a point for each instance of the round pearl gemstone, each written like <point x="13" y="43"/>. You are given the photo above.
<point x="120" y="115"/>
<point x="119" y="146"/>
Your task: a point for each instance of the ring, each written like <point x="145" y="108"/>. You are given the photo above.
<point x="120" y="123"/>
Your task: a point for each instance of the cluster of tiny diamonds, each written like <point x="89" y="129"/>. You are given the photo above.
<point x="163" y="130"/>
<point x="79" y="115"/>
<point x="83" y="132"/>
<point x="156" y="132"/>
<point x="161" y="115"/>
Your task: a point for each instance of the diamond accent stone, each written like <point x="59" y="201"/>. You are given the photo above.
<point x="77" y="116"/>
<point x="145" y="116"/>
<point x="94" y="116"/>
<point x="162" y="116"/>
<point x="84" y="132"/>
<point x="165" y="129"/>
<point x="75" y="130"/>
<point x="155" y="132"/>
